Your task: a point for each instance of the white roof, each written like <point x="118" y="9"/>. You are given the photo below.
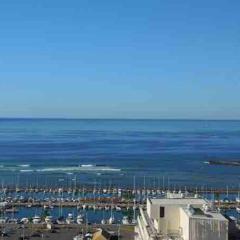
<point x="206" y="215"/>
<point x="177" y="201"/>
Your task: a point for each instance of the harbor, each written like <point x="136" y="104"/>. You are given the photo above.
<point x="95" y="206"/>
<point x="41" y="215"/>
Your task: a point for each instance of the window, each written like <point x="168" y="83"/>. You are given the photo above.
<point x="162" y="212"/>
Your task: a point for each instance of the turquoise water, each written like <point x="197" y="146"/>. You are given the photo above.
<point x="111" y="152"/>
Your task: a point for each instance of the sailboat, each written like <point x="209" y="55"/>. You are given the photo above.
<point x="125" y="220"/>
<point x="3" y="220"/>
<point x="69" y="219"/>
<point x="36" y="219"/>
<point x="80" y="219"/>
<point x="103" y="221"/>
<point x="238" y="209"/>
<point x="60" y="219"/>
<point x="13" y="220"/>
<point x="24" y="220"/>
<point x="238" y="201"/>
<point x="48" y="219"/>
<point x="111" y="219"/>
<point x="238" y="198"/>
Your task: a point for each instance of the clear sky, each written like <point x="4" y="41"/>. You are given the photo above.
<point x="120" y="59"/>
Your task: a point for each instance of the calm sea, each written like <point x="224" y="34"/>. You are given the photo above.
<point x="112" y="152"/>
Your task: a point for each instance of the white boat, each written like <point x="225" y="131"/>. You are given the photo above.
<point x="103" y="221"/>
<point x="36" y="219"/>
<point x="48" y="219"/>
<point x="13" y="221"/>
<point x="69" y="219"/>
<point x="3" y="204"/>
<point x="60" y="220"/>
<point x="80" y="219"/>
<point x="24" y="221"/>
<point x="104" y="190"/>
<point x="119" y="192"/>
<point x="118" y="208"/>
<point x="125" y="220"/>
<point x="238" y="209"/>
<point x="111" y="220"/>
<point x="3" y="220"/>
<point x="107" y="208"/>
<point x="238" y="197"/>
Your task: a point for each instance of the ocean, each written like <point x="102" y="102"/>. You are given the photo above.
<point x="156" y="153"/>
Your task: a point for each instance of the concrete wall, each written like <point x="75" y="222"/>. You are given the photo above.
<point x="171" y="220"/>
<point x="153" y="210"/>
<point x="184" y="224"/>
<point x="208" y="229"/>
<point x="148" y="207"/>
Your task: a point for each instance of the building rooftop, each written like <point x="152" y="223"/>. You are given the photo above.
<point x="200" y="214"/>
<point x="178" y="201"/>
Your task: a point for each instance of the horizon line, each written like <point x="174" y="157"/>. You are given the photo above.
<point x="130" y="119"/>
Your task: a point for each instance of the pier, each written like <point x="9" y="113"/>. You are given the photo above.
<point x="106" y="198"/>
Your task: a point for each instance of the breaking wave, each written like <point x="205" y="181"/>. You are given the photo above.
<point x="25" y="168"/>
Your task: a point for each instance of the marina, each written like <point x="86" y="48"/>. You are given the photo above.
<point x="112" y="206"/>
<point x="61" y="211"/>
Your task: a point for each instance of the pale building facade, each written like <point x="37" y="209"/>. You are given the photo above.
<point x="180" y="219"/>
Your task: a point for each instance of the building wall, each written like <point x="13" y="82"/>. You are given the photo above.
<point x="184" y="224"/>
<point x="171" y="220"/>
<point x="149" y="208"/>
<point x="153" y="210"/>
<point x="208" y="229"/>
<point x="175" y="219"/>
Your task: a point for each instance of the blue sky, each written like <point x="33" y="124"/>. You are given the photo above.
<point x="120" y="59"/>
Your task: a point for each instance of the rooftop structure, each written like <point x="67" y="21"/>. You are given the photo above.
<point x="180" y="217"/>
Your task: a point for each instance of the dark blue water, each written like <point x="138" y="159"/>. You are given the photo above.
<point x="163" y="152"/>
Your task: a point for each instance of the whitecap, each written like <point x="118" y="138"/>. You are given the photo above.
<point x="24" y="165"/>
<point x="26" y="170"/>
<point x="79" y="169"/>
<point x="86" y="165"/>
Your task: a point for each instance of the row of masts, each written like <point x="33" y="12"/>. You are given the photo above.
<point x="72" y="182"/>
<point x="114" y="190"/>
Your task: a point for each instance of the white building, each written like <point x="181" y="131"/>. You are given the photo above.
<point x="182" y="218"/>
